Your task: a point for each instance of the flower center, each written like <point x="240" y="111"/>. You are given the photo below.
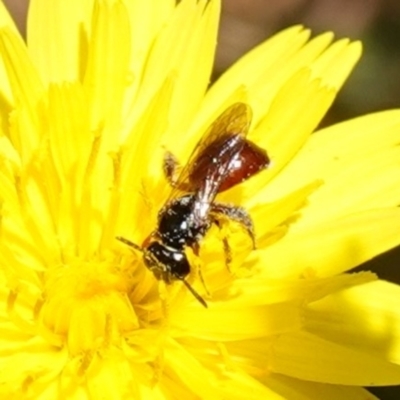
<point x="91" y="304"/>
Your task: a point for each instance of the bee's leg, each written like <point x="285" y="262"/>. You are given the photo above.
<point x="235" y="213"/>
<point x="196" y="251"/>
<point x="158" y="362"/>
<point x="227" y="248"/>
<point x="171" y="168"/>
<point x="158" y="369"/>
<point x="164" y="299"/>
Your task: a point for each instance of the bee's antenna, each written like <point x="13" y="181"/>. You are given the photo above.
<point x="195" y="294"/>
<point x="142" y="250"/>
<point x="129" y="243"/>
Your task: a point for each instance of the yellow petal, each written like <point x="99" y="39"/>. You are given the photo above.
<point x="26" y="90"/>
<point x="357" y="160"/>
<point x="188" y="53"/>
<point x="31" y="376"/>
<point x="267" y="217"/>
<point x="106" y="74"/>
<point x="278" y="122"/>
<point x="184" y="375"/>
<point x="265" y="69"/>
<point x="334" y="247"/>
<point x="146" y="20"/>
<point x="195" y="67"/>
<point x="6" y="22"/>
<point x="365" y="317"/>
<point x="264" y="61"/>
<point x="286" y="122"/>
<point x="242" y="386"/>
<point x="111" y="377"/>
<point x="118" y="81"/>
<point x="260" y="290"/>
<point x="309" y="357"/>
<point x="141" y="152"/>
<point x="69" y="134"/>
<point x="61" y="54"/>
<point x="296" y="389"/>
<point x="226" y="322"/>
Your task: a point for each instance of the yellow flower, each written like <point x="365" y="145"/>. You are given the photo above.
<point x="88" y="109"/>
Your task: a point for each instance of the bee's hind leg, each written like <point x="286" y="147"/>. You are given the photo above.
<point x="171" y="168"/>
<point x="196" y="251"/>
<point x="234" y="213"/>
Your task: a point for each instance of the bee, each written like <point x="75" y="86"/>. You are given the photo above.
<point x="223" y="158"/>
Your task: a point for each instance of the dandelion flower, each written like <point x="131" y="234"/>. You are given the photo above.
<point x="89" y="106"/>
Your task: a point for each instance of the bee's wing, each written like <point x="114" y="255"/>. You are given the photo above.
<point x="219" y="145"/>
<point x="208" y="165"/>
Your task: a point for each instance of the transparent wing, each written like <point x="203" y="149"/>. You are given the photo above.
<point x="208" y="165"/>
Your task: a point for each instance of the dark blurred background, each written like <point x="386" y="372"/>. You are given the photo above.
<point x="373" y="86"/>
